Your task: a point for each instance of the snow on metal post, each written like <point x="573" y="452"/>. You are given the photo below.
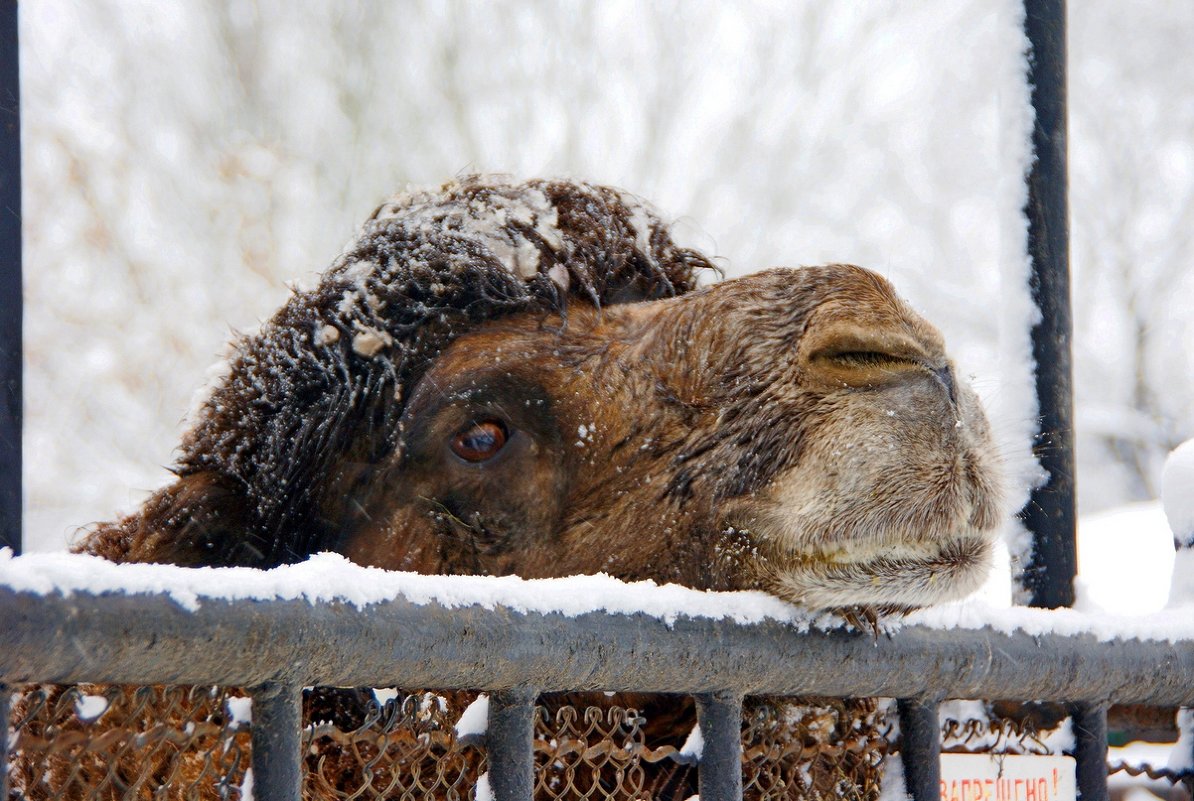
<point x="277" y="742"/>
<point x="1050" y="514"/>
<point x="1090" y="731"/>
<point x="10" y="282"/>
<point x="920" y="749"/>
<point x="720" y="773"/>
<point x="509" y="743"/>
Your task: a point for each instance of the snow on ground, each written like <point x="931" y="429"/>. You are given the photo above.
<point x="1125" y="559"/>
<point x="1177" y="492"/>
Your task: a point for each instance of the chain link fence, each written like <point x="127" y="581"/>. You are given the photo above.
<point x="119" y="743"/>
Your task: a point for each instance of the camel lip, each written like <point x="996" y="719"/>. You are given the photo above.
<point x="916" y="577"/>
<point x="868" y="551"/>
<point x="781" y="540"/>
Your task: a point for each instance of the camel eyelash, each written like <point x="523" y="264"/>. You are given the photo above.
<point x="869" y="358"/>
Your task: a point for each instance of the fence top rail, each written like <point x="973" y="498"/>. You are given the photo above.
<point x="331" y="578"/>
<point x="57" y="633"/>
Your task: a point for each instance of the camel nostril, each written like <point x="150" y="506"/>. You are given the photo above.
<point x="946" y="376"/>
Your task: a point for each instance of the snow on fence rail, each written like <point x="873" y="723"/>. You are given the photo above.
<point x="278" y="631"/>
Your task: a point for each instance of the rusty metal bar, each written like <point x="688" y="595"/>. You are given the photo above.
<point x="277" y="742"/>
<point x="920" y="748"/>
<point x="509" y="743"/>
<point x="719" y="775"/>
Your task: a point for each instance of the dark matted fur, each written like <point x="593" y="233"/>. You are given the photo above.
<point x="293" y="411"/>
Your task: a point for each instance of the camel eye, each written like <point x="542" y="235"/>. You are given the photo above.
<point x="480" y="441"/>
<point x="868" y="358"/>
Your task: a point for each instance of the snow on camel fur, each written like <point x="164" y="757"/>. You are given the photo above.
<point x="321" y="389"/>
<point x="524" y="378"/>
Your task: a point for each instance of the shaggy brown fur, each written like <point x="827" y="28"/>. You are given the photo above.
<point x="798" y="431"/>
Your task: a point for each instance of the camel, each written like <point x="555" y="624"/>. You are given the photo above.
<point x="529" y="378"/>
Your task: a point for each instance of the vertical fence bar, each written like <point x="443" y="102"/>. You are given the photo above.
<point x="1185" y="728"/>
<point x="5" y="716"/>
<point x="510" y="744"/>
<point x="1090" y="732"/>
<point x="1050" y="514"/>
<point x="277" y="742"/>
<point x="920" y="749"/>
<point x="11" y="310"/>
<point x="720" y="772"/>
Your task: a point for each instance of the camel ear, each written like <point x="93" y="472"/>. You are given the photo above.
<point x="198" y="520"/>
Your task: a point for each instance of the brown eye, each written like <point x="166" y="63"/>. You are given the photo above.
<point x="480" y="441"/>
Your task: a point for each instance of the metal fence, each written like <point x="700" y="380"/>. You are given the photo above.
<point x="194" y="743"/>
<point x="278" y="647"/>
<point x="184" y="661"/>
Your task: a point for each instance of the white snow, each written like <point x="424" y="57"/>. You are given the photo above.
<point x="383" y="695"/>
<point x="1170" y="625"/>
<point x="1182" y="756"/>
<point x="368" y="342"/>
<point x="326" y="335"/>
<point x="1181" y="587"/>
<point x="559" y="276"/>
<point x="474" y="720"/>
<point x="330" y="577"/>
<point x="1138" y="755"/>
<point x="240" y="710"/>
<point x="1013" y="407"/>
<point x="486" y="222"/>
<point x="1125" y="557"/>
<point x="1177" y="491"/>
<point x="246" y="787"/>
<point x="694" y="744"/>
<point x="91" y="707"/>
<point x="891" y="786"/>
<point x="484" y="792"/>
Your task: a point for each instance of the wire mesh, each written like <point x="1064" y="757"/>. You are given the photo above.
<point x="826" y="749"/>
<point x="361" y="745"/>
<point x="1004" y="728"/>
<point x="1043" y="728"/>
<point x="92" y="742"/>
<point x="121" y="743"/>
<point x="104" y="742"/>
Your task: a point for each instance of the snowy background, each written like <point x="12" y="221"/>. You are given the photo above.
<point x="184" y="161"/>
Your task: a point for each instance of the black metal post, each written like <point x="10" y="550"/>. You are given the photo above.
<point x="720" y="774"/>
<point x="10" y="280"/>
<point x="920" y="748"/>
<point x="277" y="742"/>
<point x="1090" y="731"/>
<point x="1185" y="722"/>
<point x="1050" y="514"/>
<point x="5" y="714"/>
<point x="509" y="742"/>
